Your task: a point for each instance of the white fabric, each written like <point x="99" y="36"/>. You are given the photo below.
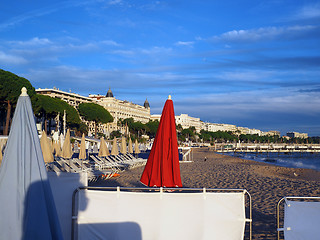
<point x="63" y="184"/>
<point x="27" y="208"/>
<point x="302" y="220"/>
<point x="165" y="216"/>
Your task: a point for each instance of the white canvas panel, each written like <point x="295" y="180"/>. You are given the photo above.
<point x="63" y="184"/>
<point x="163" y="216"/>
<point x="302" y="220"/>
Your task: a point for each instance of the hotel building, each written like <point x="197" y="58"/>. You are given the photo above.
<point x="214" y="127"/>
<point x="297" y="135"/>
<point x="184" y="120"/>
<point x="72" y="99"/>
<point x="118" y="109"/>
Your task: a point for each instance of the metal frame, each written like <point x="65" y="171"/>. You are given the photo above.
<point x="284" y="199"/>
<point x="146" y="189"/>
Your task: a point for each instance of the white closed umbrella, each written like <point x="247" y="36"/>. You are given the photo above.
<point x="66" y="148"/>
<point x="130" y="149"/>
<point x="27" y="207"/>
<point x="114" y="150"/>
<point x="82" y="153"/>
<point x="45" y="147"/>
<point x="57" y="148"/>
<point x="103" y="151"/>
<point x="123" y="148"/>
<point x="136" y="147"/>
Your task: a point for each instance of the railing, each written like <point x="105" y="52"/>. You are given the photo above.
<point x="286" y="148"/>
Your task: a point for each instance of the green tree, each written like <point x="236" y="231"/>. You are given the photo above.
<point x="186" y="133"/>
<point x="128" y="121"/>
<point x="83" y="128"/>
<point x="114" y="134"/>
<point x="135" y="128"/>
<point x="10" y="90"/>
<point x="152" y="127"/>
<point x="49" y="108"/>
<point x="46" y="107"/>
<point x="179" y="127"/>
<point x="205" y="135"/>
<point x="73" y="119"/>
<point x="139" y="128"/>
<point x="94" y="112"/>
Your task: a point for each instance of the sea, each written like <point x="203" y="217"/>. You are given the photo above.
<point x="292" y="160"/>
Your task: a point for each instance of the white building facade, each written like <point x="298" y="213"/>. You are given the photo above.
<point x="215" y="127"/>
<point x="186" y="121"/>
<point x="297" y="135"/>
<point x="118" y="109"/>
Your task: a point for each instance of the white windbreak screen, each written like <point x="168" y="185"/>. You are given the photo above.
<point x="63" y="184"/>
<point x="302" y="220"/>
<point x="155" y="215"/>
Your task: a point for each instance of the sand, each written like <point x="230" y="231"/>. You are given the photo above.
<point x="266" y="183"/>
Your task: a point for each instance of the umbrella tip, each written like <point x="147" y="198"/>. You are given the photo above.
<point x="169" y="97"/>
<point x="24" y="92"/>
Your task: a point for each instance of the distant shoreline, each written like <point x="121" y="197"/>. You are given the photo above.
<point x="306" y="160"/>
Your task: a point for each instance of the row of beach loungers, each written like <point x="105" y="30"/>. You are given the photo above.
<point x="96" y="167"/>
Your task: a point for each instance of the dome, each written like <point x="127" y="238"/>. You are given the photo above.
<point x="109" y="93"/>
<point x="146" y="104"/>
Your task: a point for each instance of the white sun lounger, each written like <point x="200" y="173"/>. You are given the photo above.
<point x="301" y="218"/>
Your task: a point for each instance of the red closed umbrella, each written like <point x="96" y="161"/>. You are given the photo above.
<point x="162" y="168"/>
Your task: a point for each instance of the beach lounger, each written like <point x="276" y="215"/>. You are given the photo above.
<point x="97" y="163"/>
<point x="54" y="168"/>
<point x="154" y="213"/>
<point x="84" y="164"/>
<point x="301" y="218"/>
<point x="114" y="165"/>
<point x="102" y="163"/>
<point x="74" y="166"/>
<point x="62" y="164"/>
<point x="131" y="162"/>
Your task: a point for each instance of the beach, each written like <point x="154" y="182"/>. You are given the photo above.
<point x="266" y="183"/>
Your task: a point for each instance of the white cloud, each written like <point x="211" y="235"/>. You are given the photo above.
<point x="115" y="2"/>
<point x="247" y="104"/>
<point x="124" y="52"/>
<point x="41" y="50"/>
<point x="11" y="59"/>
<point x="264" y="33"/>
<point x="307" y="12"/>
<point x="36" y="41"/>
<point x="110" y="43"/>
<point x="19" y="19"/>
<point x="245" y="75"/>
<point x="181" y="43"/>
<point x="136" y="52"/>
<point x="155" y="50"/>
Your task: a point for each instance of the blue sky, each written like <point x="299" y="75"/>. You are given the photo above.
<point x="250" y="63"/>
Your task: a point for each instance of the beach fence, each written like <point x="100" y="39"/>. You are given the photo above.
<point x="62" y="186"/>
<point x="158" y="213"/>
<point x="298" y="218"/>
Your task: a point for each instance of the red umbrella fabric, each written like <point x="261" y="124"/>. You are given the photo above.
<point x="162" y="168"/>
